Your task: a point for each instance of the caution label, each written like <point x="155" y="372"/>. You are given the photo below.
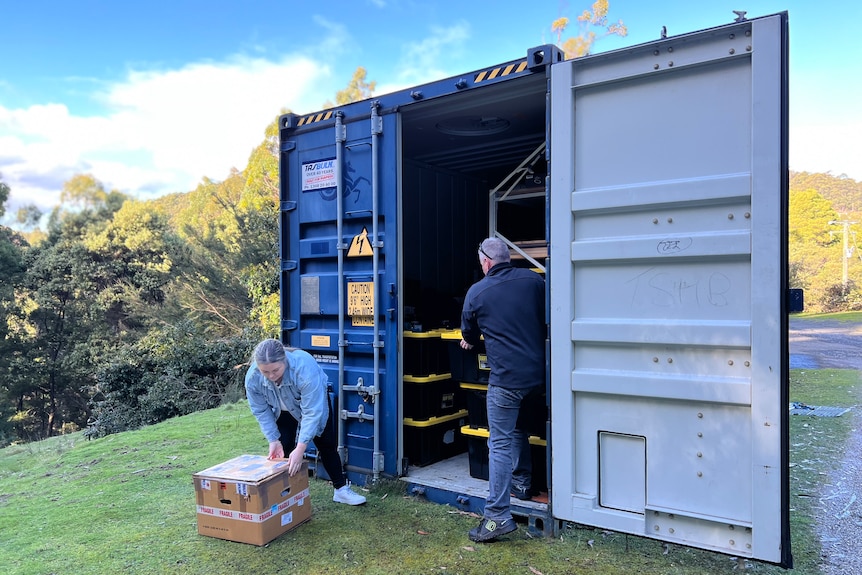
<point x="360" y="245"/>
<point x="360" y="299"/>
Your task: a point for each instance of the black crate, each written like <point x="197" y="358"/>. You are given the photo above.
<point x="477" y="451"/>
<point x="533" y="414"/>
<point x="436" y="439"/>
<point x="425" y="354"/>
<point x="469" y="366"/>
<point x="475" y="395"/>
<point x="539" y="458"/>
<point x="477" y="448"/>
<point x="432" y="396"/>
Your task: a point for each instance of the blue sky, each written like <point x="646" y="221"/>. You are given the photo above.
<point x="151" y="97"/>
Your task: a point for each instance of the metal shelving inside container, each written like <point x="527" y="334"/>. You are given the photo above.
<point x="526" y="186"/>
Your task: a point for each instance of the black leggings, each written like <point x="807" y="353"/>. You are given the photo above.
<point x="326" y="444"/>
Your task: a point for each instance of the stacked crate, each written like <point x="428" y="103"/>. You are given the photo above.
<point x="470" y="369"/>
<point x="432" y="403"/>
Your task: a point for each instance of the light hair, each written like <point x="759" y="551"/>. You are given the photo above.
<point x="495" y="250"/>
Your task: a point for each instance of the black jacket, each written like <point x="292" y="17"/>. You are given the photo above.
<point x="507" y="306"/>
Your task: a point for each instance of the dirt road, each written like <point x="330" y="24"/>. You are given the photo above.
<point x="831" y="344"/>
<point x="825" y="344"/>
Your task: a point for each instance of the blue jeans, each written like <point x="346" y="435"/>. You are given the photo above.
<point x="508" y="449"/>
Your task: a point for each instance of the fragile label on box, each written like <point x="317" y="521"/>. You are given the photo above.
<point x="298" y="499"/>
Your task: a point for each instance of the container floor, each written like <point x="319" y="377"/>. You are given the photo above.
<point x="453" y="475"/>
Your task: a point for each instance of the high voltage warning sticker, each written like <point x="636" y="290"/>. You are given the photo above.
<point x="360" y="246"/>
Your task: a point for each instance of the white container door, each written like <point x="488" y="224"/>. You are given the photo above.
<point x="667" y="289"/>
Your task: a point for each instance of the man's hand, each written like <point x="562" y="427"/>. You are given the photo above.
<point x="465" y="345"/>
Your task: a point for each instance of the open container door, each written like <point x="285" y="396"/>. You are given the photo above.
<point x="667" y="290"/>
<point x="338" y="271"/>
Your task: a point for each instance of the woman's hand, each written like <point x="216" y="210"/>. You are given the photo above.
<point x="276" y="450"/>
<point x="294" y="460"/>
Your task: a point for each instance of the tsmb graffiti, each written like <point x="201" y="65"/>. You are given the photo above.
<point x="664" y="289"/>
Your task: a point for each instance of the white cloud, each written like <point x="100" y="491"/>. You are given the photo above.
<point x="826" y="146"/>
<point x="160" y="132"/>
<point x="423" y="61"/>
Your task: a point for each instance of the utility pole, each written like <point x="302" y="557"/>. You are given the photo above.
<point x="847" y="252"/>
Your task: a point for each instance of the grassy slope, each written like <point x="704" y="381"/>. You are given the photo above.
<point x="845" y="317"/>
<point x="125" y="503"/>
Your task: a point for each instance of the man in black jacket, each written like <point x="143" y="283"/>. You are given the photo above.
<point x="507" y="307"/>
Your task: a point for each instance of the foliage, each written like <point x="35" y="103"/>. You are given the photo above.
<point x="28" y="216"/>
<point x="111" y="271"/>
<point x="224" y="239"/>
<point x="581" y="44"/>
<point x="810" y="214"/>
<point x="357" y="89"/>
<point x="172" y="371"/>
<point x="12" y="247"/>
<point x="845" y="193"/>
<point x="4" y="195"/>
<point x="111" y="276"/>
<point x="815" y="244"/>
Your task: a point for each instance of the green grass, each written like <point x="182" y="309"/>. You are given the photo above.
<point x="125" y="504"/>
<point x="844" y="316"/>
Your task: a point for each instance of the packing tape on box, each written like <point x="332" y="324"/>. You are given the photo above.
<point x="297" y="499"/>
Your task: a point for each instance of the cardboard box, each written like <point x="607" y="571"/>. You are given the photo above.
<point x="251" y="499"/>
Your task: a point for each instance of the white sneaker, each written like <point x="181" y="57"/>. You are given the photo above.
<point x="345" y="494"/>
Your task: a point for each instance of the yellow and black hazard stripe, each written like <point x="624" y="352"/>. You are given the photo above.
<point x="312" y="118"/>
<point x="500" y="71"/>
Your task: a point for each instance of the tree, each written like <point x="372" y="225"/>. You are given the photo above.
<point x="844" y="193"/>
<point x="816" y="255"/>
<point x="84" y="200"/>
<point x="209" y="286"/>
<point x="28" y="216"/>
<point x="12" y="247"/>
<point x="173" y="370"/>
<point x="357" y="89"/>
<point x="53" y="318"/>
<point x="130" y="265"/>
<point x="4" y="195"/>
<point x="809" y="216"/>
<point x="260" y="206"/>
<point x="581" y="44"/>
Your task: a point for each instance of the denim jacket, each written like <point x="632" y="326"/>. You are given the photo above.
<point x="303" y="390"/>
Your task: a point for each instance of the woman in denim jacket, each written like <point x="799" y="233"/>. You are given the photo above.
<point x="287" y="393"/>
